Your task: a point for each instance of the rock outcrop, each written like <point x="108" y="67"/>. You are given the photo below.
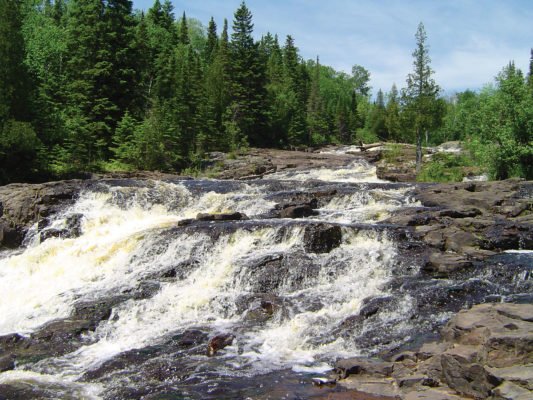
<point x="466" y="222"/>
<point x="485" y="353"/>
<point x="22" y="205"/>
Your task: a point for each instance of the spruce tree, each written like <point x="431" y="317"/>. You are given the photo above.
<point x="14" y="81"/>
<point x="155" y="13"/>
<point x="183" y="35"/>
<point x="377" y="117"/>
<point x="420" y="95"/>
<point x="296" y="89"/>
<point x="217" y="91"/>
<point x="392" y="115"/>
<point x="211" y="44"/>
<point x="248" y="83"/>
<point x="120" y="42"/>
<point x="316" y="120"/>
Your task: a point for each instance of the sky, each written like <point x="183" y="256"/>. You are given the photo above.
<point x="470" y="41"/>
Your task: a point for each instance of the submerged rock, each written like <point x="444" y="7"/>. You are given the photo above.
<point x="218" y="343"/>
<point x="235" y="216"/>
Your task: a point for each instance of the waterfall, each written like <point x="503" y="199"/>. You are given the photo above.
<point x="171" y="284"/>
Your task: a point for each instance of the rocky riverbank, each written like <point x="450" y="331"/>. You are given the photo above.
<point x="485" y="353"/>
<point x="450" y="240"/>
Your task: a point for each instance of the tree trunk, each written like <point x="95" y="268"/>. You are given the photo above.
<point x="418" y="150"/>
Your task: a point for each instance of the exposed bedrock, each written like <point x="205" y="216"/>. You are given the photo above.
<point x="485" y="353"/>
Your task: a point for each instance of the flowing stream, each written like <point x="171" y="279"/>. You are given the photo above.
<point x="170" y="286"/>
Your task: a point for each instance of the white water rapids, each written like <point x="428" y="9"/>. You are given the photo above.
<point x="125" y="239"/>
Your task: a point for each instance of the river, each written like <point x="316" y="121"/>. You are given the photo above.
<point x="172" y="284"/>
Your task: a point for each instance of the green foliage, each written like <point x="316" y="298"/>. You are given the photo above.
<point x="93" y="86"/>
<point x="21" y="152"/>
<point x="444" y="167"/>
<point x="248" y="93"/>
<point x="420" y="95"/>
<point x="14" y="81"/>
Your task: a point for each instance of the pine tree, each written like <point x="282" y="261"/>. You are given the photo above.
<point x="183" y="35"/>
<point x="420" y="96"/>
<point x="217" y="91"/>
<point x="248" y="83"/>
<point x="167" y="19"/>
<point x="120" y="41"/>
<point x="155" y="13"/>
<point x="14" y="81"/>
<point x="392" y="115"/>
<point x="211" y="44"/>
<point x="377" y="117"/>
<point x="295" y="88"/>
<point x="316" y="121"/>
<point x="143" y="64"/>
<point x="46" y="51"/>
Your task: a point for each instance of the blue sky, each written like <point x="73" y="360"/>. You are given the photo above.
<point x="470" y="40"/>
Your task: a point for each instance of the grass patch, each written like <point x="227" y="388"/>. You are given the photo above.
<point x="445" y="167"/>
<point x="392" y="152"/>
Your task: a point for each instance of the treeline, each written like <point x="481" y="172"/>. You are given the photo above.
<point x="91" y="85"/>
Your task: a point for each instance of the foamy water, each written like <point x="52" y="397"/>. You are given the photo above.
<point x="125" y="239"/>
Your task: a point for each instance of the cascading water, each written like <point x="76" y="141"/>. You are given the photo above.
<point x="172" y="285"/>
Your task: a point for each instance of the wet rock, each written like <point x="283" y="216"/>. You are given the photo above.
<point x="362" y="365"/>
<point x="405" y="355"/>
<point x="179" y="271"/>
<point x="10" y="237"/>
<point x="7" y="363"/>
<point x="236" y="216"/>
<point x="300" y="211"/>
<point x="219" y="342"/>
<point x="122" y="361"/>
<point x="267" y="274"/>
<point x="508" y="236"/>
<point x="322" y="238"/>
<point x="190" y="338"/>
<point x="461" y="213"/>
<point x="25" y="204"/>
<point x="261" y="310"/>
<point x="442" y="264"/>
<point x="10" y="342"/>
<point x="372" y="306"/>
<point x="71" y="229"/>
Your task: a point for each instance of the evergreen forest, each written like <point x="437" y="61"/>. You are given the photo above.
<point x="93" y="85"/>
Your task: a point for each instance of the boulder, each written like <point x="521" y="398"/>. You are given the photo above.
<point x="235" y="216"/>
<point x="25" y="204"/>
<point x="322" y="238"/>
<point x="363" y="365"/>
<point x="7" y="363"/>
<point x="469" y="379"/>
<point x="10" y="237"/>
<point x="300" y="211"/>
<point x="218" y="342"/>
<point x="442" y="264"/>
